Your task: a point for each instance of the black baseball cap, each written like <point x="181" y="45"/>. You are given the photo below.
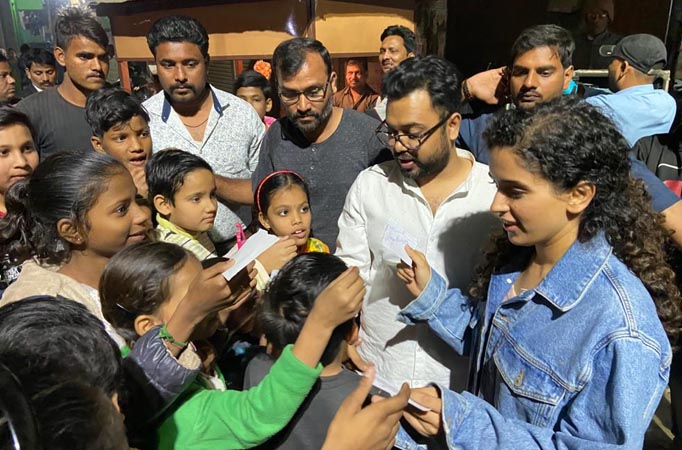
<point x="644" y="52"/>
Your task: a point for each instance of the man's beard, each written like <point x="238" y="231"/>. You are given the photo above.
<point x="425" y="169"/>
<point x="314" y="125"/>
<point x="195" y="94"/>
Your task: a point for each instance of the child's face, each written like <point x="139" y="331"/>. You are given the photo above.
<point x="256" y="98"/>
<point x="129" y="142"/>
<point x="18" y="155"/>
<point x="178" y="285"/>
<point x="289" y="214"/>
<point x="115" y="220"/>
<point x="195" y="203"/>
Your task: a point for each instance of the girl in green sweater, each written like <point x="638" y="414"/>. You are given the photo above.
<point x="141" y="289"/>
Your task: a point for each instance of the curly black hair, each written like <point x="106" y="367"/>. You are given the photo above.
<point x="567" y="141"/>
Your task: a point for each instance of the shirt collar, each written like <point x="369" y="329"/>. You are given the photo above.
<point x="163" y="223"/>
<point x="167" y="107"/>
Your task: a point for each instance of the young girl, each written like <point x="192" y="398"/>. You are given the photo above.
<point x="18" y="160"/>
<point x="284" y="209"/>
<point x="140" y="290"/>
<point x="65" y="222"/>
<point x="570" y="313"/>
<point x="18" y="154"/>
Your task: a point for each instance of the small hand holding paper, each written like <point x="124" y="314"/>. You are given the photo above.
<point x="252" y="248"/>
<point x="417" y="275"/>
<point x="279" y="254"/>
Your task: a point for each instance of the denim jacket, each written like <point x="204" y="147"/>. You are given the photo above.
<point x="579" y="362"/>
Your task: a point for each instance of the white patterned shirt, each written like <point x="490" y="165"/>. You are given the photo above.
<point x="231" y="143"/>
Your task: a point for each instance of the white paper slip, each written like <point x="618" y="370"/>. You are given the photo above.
<point x="252" y="249"/>
<point x="394" y="242"/>
<point x="386" y="387"/>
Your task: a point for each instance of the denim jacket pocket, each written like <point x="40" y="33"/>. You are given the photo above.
<point x="526" y="391"/>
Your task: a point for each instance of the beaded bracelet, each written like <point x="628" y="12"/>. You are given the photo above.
<point x="166" y="336"/>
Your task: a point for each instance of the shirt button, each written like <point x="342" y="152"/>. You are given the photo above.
<point x="509" y="280"/>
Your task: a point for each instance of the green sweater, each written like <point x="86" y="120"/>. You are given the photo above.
<point x="209" y="419"/>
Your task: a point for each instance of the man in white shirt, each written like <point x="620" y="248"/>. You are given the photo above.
<point x="434" y="197"/>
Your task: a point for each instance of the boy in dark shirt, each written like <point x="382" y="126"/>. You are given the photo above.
<point x="288" y="300"/>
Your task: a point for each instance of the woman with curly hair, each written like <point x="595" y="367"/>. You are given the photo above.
<point x="566" y="321"/>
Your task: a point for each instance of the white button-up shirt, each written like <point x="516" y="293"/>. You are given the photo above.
<point x="381" y="202"/>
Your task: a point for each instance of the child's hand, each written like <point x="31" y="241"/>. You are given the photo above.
<point x="340" y="301"/>
<point x="279" y="254"/>
<point x="140" y="180"/>
<point x="208" y="293"/>
<point x="371" y="428"/>
<point x="418" y="275"/>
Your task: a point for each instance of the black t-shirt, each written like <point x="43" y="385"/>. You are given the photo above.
<point x="59" y="125"/>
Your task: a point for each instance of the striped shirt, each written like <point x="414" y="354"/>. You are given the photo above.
<point x="199" y="244"/>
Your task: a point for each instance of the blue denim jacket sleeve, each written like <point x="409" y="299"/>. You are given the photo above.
<point x="448" y="313"/>
<point x="611" y="412"/>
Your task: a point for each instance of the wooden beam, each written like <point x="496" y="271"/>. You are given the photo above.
<point x="124" y="76"/>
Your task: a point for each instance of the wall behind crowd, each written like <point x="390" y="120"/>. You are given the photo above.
<point x="479" y="36"/>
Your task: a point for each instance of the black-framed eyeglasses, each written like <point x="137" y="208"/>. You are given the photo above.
<point x="411" y="142"/>
<point x="313" y="94"/>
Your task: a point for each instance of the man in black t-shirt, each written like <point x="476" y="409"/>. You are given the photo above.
<point x="58" y="114"/>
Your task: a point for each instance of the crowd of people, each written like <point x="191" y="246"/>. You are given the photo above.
<point x="443" y="276"/>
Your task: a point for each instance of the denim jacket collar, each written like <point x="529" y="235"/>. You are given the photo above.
<point x="565" y="285"/>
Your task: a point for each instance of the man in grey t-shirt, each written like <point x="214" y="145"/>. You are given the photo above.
<point x="327" y="146"/>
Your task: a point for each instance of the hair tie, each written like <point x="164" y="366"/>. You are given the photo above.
<point x="267" y="177"/>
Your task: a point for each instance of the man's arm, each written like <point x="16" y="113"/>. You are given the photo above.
<point x="663" y="199"/>
<point x="234" y="190"/>
<point x="673" y="222"/>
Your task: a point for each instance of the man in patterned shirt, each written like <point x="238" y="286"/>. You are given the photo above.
<point x="194" y="116"/>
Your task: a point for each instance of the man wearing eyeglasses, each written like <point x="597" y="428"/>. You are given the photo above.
<point x="597" y="16"/>
<point x="327" y="146"/>
<point x="432" y="196"/>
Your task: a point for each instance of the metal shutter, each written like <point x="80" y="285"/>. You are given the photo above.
<point x="221" y="74"/>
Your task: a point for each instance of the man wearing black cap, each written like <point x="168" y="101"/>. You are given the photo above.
<point x="636" y="107"/>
